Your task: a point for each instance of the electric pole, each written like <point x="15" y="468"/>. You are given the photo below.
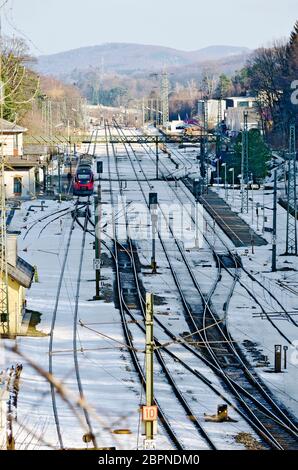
<point x="291" y="248"/>
<point x="143" y="112"/>
<point x="157" y="158"/>
<point x="4" y="304"/>
<point x="244" y="166"/>
<point x="274" y="234"/>
<point x="204" y="149"/>
<point x="218" y="131"/>
<point x="149" y="412"/>
<point x="153" y="202"/>
<point x="165" y="98"/>
<point x="97" y="211"/>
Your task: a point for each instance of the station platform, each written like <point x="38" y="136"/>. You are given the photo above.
<point x="239" y="232"/>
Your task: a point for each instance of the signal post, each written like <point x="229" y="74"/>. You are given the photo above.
<point x="149" y="411"/>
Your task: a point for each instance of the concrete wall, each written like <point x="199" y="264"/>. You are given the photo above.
<point x="16" y="299"/>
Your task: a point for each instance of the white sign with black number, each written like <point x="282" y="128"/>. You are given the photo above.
<point x="96" y="264"/>
<point x="149" y="444"/>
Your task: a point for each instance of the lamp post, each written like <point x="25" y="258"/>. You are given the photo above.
<point x="226" y="188"/>
<point x="217" y="163"/>
<point x="258" y="205"/>
<point x="232" y="170"/>
<point x="252" y="199"/>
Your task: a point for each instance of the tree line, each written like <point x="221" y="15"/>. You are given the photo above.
<point x="42" y="104"/>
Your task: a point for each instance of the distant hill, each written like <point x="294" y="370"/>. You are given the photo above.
<point x="131" y="58"/>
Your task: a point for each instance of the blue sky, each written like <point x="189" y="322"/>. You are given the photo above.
<point x="58" y="25"/>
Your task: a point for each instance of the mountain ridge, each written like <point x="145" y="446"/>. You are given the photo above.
<point x="130" y="57"/>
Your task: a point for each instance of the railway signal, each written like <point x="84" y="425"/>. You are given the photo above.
<point x="153" y="202"/>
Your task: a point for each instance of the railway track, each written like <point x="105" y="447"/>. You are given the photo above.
<point x="88" y="426"/>
<point x="61" y="213"/>
<point x="124" y="256"/>
<point x="283" y="432"/>
<point x="233" y="256"/>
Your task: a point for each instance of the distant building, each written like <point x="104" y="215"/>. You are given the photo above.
<point x="234" y="114"/>
<point x="20" y="170"/>
<point x="20" y="277"/>
<point x="213" y="112"/>
<point x="175" y="127"/>
<point x="11" y="137"/>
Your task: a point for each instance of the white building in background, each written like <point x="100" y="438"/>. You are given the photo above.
<point x="234" y="114"/>
<point x="212" y="110"/>
<point x="241" y="102"/>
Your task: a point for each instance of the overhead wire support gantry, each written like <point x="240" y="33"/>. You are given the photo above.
<point x="291" y="241"/>
<point x="244" y="165"/>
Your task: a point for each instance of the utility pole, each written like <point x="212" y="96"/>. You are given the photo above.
<point x="149" y="412"/>
<point x="157" y="158"/>
<point x="97" y="211"/>
<point x="218" y="138"/>
<point x="59" y="174"/>
<point x="244" y="166"/>
<point x="4" y="304"/>
<point x="218" y="131"/>
<point x="165" y="98"/>
<point x="153" y="202"/>
<point x="232" y="170"/>
<point x="225" y="185"/>
<point x="143" y="112"/>
<point x="204" y="149"/>
<point x="274" y="234"/>
<point x="291" y="248"/>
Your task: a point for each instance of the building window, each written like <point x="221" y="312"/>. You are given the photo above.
<point x="17" y="185"/>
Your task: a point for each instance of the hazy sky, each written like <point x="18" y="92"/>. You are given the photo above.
<point x="58" y="25"/>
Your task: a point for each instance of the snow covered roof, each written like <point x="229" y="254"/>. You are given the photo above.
<point x="11" y="127"/>
<point x="23" y="272"/>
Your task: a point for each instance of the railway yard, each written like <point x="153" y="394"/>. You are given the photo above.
<point x="219" y="311"/>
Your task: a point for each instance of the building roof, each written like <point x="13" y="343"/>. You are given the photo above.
<point x="17" y="164"/>
<point x="11" y="127"/>
<point x="23" y="273"/>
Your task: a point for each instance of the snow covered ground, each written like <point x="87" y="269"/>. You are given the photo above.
<point x="254" y="332"/>
<point x="111" y="385"/>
